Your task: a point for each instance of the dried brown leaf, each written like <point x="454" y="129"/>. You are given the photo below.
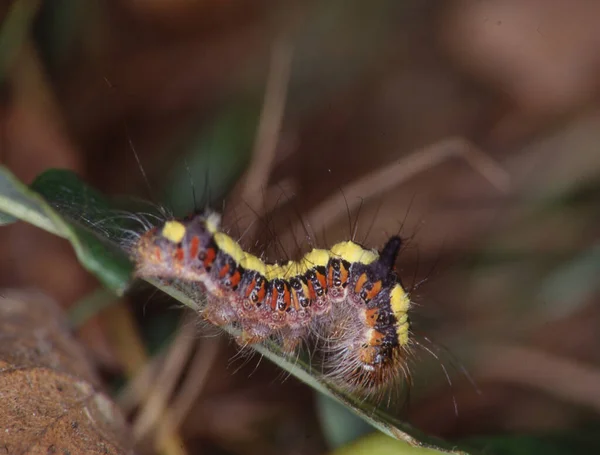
<point x="50" y="398"/>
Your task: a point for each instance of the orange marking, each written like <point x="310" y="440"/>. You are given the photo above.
<point x="211" y="254"/>
<point x="224" y="271"/>
<point x="287" y="298"/>
<point x="343" y="274"/>
<point x="360" y="283"/>
<point x="312" y="295"/>
<point x="250" y="288"/>
<point x="274" y="296"/>
<point x="157" y="254"/>
<point x="194" y="247"/>
<point x="371" y="317"/>
<point x="179" y="254"/>
<point x="367" y="355"/>
<point x="373" y="292"/>
<point x="376" y="338"/>
<point x="330" y="277"/>
<point x="322" y="280"/>
<point x="236" y="278"/>
<point x="262" y="292"/>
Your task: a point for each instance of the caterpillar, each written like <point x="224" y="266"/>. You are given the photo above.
<point x="348" y="295"/>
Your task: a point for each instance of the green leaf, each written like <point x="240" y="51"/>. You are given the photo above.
<point x="380" y="444"/>
<point x="76" y="212"/>
<point x="217" y="154"/>
<point x="580" y="441"/>
<point x="63" y="205"/>
<point x="338" y="424"/>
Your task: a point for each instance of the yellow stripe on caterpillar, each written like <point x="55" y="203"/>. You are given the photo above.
<point x="229" y="246"/>
<point x="315" y="258"/>
<point x="235" y="251"/>
<point x="352" y="252"/>
<point x="399" y="301"/>
<point x="251" y="262"/>
<point x="403" y="334"/>
<point x="400" y="304"/>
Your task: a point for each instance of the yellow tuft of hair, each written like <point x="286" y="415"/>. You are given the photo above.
<point x="213" y="222"/>
<point x="251" y="262"/>
<point x="229" y="246"/>
<point x="403" y="334"/>
<point x="239" y="256"/>
<point x="273" y="271"/>
<point x="353" y="252"/>
<point x="314" y="258"/>
<point x="173" y="231"/>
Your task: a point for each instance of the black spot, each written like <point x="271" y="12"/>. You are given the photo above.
<point x="279" y="286"/>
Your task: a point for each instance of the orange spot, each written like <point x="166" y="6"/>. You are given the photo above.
<point x="376" y="338"/>
<point x="343" y="274"/>
<point x="322" y="280"/>
<point x="179" y="254"/>
<point x="312" y="295"/>
<point x="236" y="278"/>
<point x="360" y="283"/>
<point x="330" y="277"/>
<point x="374" y="291"/>
<point x="157" y="254"/>
<point x="194" y="247"/>
<point x="224" y="271"/>
<point x="261" y="292"/>
<point x="211" y="254"/>
<point x="250" y="288"/>
<point x="274" y="296"/>
<point x="287" y="298"/>
<point x="367" y="355"/>
<point x="371" y="317"/>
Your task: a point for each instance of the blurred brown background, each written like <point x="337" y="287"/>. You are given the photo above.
<point x="470" y="126"/>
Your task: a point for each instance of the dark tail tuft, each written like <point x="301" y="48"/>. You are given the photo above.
<point x="390" y="251"/>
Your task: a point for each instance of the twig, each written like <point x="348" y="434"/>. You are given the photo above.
<point x="391" y="175"/>
<point x="191" y="389"/>
<point x="165" y="383"/>
<point x="570" y="380"/>
<point x="271" y="118"/>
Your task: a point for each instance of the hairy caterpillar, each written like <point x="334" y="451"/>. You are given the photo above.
<point x="349" y="296"/>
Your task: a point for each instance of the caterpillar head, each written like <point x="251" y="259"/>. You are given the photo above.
<point x="178" y="249"/>
<point x="376" y="340"/>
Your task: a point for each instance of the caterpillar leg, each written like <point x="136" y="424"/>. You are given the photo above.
<point x="291" y="340"/>
<point x="218" y="314"/>
<point x="253" y="334"/>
